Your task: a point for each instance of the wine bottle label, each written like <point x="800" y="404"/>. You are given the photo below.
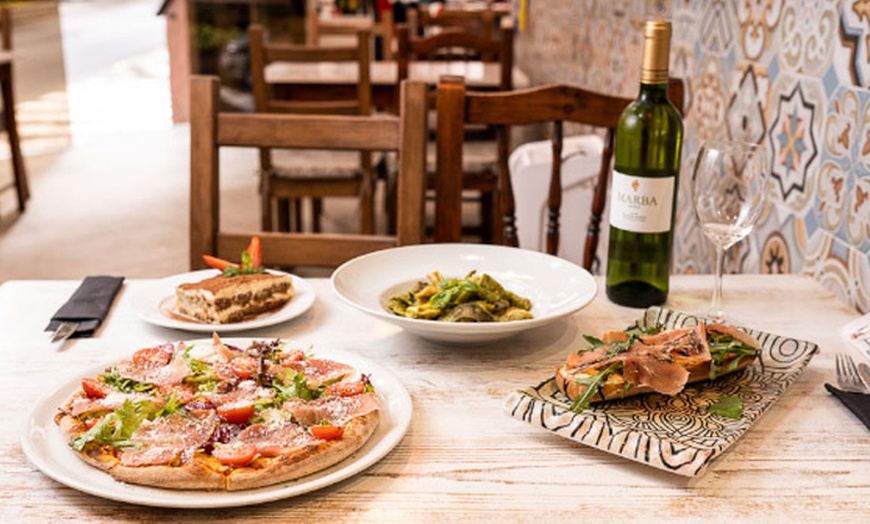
<point x="640" y="204"/>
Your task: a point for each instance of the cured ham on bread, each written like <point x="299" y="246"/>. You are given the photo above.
<point x="635" y="361"/>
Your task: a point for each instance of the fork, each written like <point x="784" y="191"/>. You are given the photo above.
<point x="847" y="375"/>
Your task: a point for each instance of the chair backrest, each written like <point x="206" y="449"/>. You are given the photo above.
<point x="555" y="103"/>
<point x="454" y="44"/>
<point x="264" y="53"/>
<point x="210" y="131"/>
<point x="347" y="25"/>
<point x="479" y="21"/>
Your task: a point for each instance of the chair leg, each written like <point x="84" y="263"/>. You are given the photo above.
<point x="367" y="210"/>
<point x="20" y="174"/>
<point x="316" y="213"/>
<point x="265" y="204"/>
<point x="298" y="223"/>
<point x="282" y="214"/>
<point x="487" y="210"/>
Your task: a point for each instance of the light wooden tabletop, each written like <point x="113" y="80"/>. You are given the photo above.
<point x="463" y="458"/>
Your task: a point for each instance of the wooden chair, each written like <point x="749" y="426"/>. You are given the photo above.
<point x="480" y="162"/>
<point x="555" y="103"/>
<point x="210" y="131"/>
<point x="455" y="44"/>
<point x="480" y="21"/>
<point x="10" y="125"/>
<point x="316" y="28"/>
<point x="290" y="176"/>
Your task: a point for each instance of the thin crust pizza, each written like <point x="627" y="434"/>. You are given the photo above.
<point x="217" y="417"/>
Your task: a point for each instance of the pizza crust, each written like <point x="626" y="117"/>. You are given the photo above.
<point x="310" y="459"/>
<point x="191" y="475"/>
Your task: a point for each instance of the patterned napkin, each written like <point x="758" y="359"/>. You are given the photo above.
<point x="88" y="306"/>
<point x="858" y="403"/>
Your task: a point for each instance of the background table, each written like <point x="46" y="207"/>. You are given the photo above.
<point x="463" y="458"/>
<point x="315" y="81"/>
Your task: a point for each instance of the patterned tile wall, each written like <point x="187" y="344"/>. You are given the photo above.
<point x="792" y="74"/>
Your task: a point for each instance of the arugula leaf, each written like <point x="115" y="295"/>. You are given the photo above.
<point x="203" y="376"/>
<point x="723" y="346"/>
<point x="125" y="385"/>
<point x="729" y="407"/>
<point x="594" y="342"/>
<point x="117" y="427"/>
<point x="593" y="384"/>
<point x="173" y="404"/>
<point x="294" y="386"/>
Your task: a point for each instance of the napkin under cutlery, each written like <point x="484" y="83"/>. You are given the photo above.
<point x="858" y="403"/>
<point x="88" y="306"/>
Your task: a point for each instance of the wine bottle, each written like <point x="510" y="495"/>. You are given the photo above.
<point x="643" y="187"/>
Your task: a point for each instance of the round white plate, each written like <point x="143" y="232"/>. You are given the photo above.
<point x="154" y="304"/>
<point x="556" y="287"/>
<point x="44" y="445"/>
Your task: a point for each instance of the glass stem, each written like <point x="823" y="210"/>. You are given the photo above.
<point x="716" y="305"/>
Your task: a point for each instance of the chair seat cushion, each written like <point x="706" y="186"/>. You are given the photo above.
<point x="318" y="163"/>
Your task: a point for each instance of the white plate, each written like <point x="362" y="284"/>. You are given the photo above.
<point x="44" y="445"/>
<point x="556" y="287"/>
<point x="154" y="304"/>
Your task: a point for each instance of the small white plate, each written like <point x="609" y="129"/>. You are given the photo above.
<point x="44" y="445"/>
<point x="154" y="304"/>
<point x="556" y="287"/>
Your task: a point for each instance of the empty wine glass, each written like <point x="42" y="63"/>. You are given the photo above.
<point x="729" y="191"/>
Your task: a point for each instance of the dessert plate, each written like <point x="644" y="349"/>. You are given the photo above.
<point x="154" y="304"/>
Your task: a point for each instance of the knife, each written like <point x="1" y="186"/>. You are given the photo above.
<point x="864" y="371"/>
<point x="64" y="331"/>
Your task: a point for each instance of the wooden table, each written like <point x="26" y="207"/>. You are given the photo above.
<point x="463" y="458"/>
<point x="311" y="81"/>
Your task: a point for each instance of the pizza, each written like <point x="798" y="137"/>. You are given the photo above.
<point x="208" y="415"/>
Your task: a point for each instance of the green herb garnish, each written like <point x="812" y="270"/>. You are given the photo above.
<point x="722" y="346"/>
<point x="117" y="427"/>
<point x="125" y="385"/>
<point x="294" y="385"/>
<point x="245" y="268"/>
<point x="593" y="384"/>
<point x="729" y="407"/>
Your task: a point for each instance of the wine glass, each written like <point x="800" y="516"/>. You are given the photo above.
<point x="729" y="191"/>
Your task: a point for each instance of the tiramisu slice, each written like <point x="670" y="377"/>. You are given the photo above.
<point x="226" y="299"/>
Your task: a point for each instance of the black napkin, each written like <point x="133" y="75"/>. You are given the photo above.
<point x="88" y="305"/>
<point x="858" y="403"/>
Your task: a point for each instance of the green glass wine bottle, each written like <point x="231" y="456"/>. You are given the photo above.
<point x="643" y="187"/>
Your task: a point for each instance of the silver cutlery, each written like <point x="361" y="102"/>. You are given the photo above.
<point x="64" y="331"/>
<point x="864" y="371"/>
<point x="847" y="375"/>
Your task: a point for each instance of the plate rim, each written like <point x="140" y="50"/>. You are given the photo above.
<point x="142" y="304"/>
<point x="444" y="331"/>
<point x="396" y="404"/>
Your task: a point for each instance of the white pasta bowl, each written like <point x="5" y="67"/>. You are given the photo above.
<point x="555" y="286"/>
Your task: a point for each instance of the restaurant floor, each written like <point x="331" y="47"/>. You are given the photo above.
<point x="114" y="198"/>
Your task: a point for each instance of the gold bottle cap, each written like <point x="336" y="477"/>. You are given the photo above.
<point x="656" y="52"/>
